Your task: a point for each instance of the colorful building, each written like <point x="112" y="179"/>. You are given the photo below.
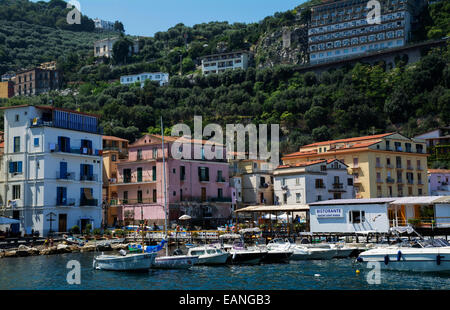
<point x="385" y="165"/>
<point x="197" y="187"/>
<point x="314" y="181"/>
<point x="256" y="181"/>
<point x="6" y="89"/>
<point x="114" y="150"/>
<point x="438" y="144"/>
<point x="51" y="170"/>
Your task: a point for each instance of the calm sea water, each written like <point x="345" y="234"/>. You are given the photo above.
<point x="49" y="273"/>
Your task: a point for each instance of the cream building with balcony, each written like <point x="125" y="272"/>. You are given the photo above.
<point x="385" y="165"/>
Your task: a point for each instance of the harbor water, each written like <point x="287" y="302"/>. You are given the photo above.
<point x="50" y="273"/>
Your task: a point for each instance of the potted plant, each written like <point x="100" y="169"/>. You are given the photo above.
<point x="75" y="230"/>
<point x="97" y="234"/>
<point x="119" y="233"/>
<point x="414" y="222"/>
<point x="87" y="232"/>
<point x="108" y="234"/>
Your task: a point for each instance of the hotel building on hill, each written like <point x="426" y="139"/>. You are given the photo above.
<point x="384" y="165"/>
<point x="339" y="29"/>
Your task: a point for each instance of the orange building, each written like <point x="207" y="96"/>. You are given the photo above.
<point x="6" y="89"/>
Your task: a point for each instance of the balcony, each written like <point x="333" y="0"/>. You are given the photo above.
<point x="67" y="125"/>
<point x="55" y="148"/>
<point x="88" y="202"/>
<point x="390" y="180"/>
<point x="320" y="186"/>
<point x="220" y="180"/>
<point x="130" y="180"/>
<point x="64" y="202"/>
<point x="338" y="185"/>
<point x="400" y="181"/>
<point x="69" y="176"/>
<point x="90" y="178"/>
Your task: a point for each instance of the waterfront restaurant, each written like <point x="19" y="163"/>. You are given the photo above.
<point x="378" y="215"/>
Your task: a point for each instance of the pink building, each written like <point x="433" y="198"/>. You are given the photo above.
<point x="439" y="182"/>
<point x="199" y="188"/>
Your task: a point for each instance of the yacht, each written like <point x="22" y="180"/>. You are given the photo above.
<point x="418" y="255"/>
<point x="209" y="255"/>
<point x="342" y="251"/>
<point x="320" y="251"/>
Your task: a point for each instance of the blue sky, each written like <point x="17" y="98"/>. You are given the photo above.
<point x="145" y="17"/>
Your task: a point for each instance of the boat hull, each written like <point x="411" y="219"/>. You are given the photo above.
<point x="215" y="259"/>
<point x="319" y="254"/>
<point x="175" y="262"/>
<point x="343" y="253"/>
<point x="277" y="257"/>
<point x="247" y="258"/>
<point x="422" y="260"/>
<point x="130" y="262"/>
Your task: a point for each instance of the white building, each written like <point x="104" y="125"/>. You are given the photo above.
<point x="378" y="215"/>
<point x="312" y="181"/>
<point x="104" y="48"/>
<point x="218" y="63"/>
<point x="51" y="173"/>
<point x="103" y="25"/>
<point x="160" y="77"/>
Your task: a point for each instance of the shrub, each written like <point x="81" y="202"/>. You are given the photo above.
<point x="75" y="230"/>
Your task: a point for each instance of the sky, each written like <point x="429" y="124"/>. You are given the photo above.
<point x="146" y="17"/>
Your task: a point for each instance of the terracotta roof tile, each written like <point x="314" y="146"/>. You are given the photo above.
<point x="350" y="139"/>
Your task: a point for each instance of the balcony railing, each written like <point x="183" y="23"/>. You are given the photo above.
<point x="338" y="185"/>
<point x="91" y="178"/>
<point x="134" y="180"/>
<point x="55" y="148"/>
<point x="65" y="202"/>
<point x="320" y="186"/>
<point x="220" y="180"/>
<point x="88" y="202"/>
<point x="65" y="176"/>
<point x="390" y="180"/>
<point x="66" y="125"/>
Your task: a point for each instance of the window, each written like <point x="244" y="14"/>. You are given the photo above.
<point x="64" y="144"/>
<point x="139" y="154"/>
<point x="61" y="196"/>
<point x="203" y="174"/>
<point x="139" y="174"/>
<point x="298" y="197"/>
<point x="126" y="175"/>
<point x="357" y="217"/>
<point x="219" y="193"/>
<point x="154" y="173"/>
<point x="182" y="173"/>
<point x="350" y="182"/>
<point x="154" y="195"/>
<point x="297" y="181"/>
<point x="284" y="198"/>
<point x="16" y="192"/>
<point x="155" y="153"/>
<point x="139" y="196"/>
<point x="319" y="183"/>
<point x="15" y="167"/>
<point x="125" y="197"/>
<point x="113" y="157"/>
<point x="16" y="144"/>
<point x="36" y="142"/>
<point x="319" y="198"/>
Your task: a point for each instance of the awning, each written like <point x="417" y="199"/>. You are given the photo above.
<point x="7" y="221"/>
<point x="280" y="208"/>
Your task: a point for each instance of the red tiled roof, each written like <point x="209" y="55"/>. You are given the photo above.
<point x="112" y="138"/>
<point x="172" y="139"/>
<point x="302" y="153"/>
<point x="305" y="164"/>
<point x="443" y="171"/>
<point x="350" y="140"/>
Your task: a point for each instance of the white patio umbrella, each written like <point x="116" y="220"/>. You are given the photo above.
<point x="185" y="217"/>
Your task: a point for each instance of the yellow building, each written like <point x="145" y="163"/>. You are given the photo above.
<point x="114" y="150"/>
<point x="6" y="89"/>
<point x="256" y="181"/>
<point x="385" y="165"/>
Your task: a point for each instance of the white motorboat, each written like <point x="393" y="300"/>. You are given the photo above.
<point x="209" y="255"/>
<point x="320" y="251"/>
<point x="242" y="255"/>
<point x="175" y="262"/>
<point x="420" y="256"/>
<point x="342" y="251"/>
<point x="124" y="262"/>
<point x="298" y="252"/>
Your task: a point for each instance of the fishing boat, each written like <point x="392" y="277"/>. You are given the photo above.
<point x="74" y="240"/>
<point x="209" y="255"/>
<point x="249" y="256"/>
<point x="418" y="255"/>
<point x="124" y="262"/>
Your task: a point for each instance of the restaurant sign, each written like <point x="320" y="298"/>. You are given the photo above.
<point x="329" y="212"/>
